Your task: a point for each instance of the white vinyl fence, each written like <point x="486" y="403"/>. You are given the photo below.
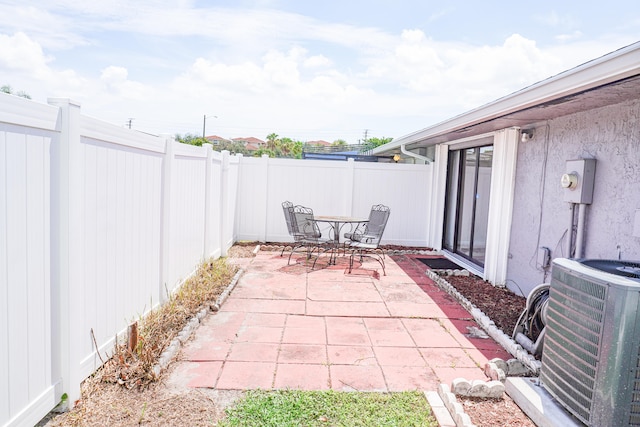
<point x="98" y="223"/>
<point x="333" y="188"/>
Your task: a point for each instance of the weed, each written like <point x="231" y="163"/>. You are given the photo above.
<point x="160" y="326"/>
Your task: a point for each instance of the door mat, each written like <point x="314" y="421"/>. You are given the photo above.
<point x="439" y="264"/>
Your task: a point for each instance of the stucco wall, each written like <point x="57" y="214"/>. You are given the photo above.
<point x="541" y="217"/>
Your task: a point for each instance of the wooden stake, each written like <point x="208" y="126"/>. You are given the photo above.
<point x="132" y="332"/>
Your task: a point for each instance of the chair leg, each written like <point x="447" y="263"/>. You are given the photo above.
<point x="283" y="248"/>
<point x="375" y="256"/>
<point x="293" y="249"/>
<point x="353" y="253"/>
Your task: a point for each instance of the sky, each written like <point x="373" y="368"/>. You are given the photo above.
<point x="306" y="70"/>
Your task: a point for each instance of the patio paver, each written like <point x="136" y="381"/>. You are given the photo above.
<point x="291" y="327"/>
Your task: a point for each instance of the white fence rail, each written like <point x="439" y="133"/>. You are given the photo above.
<point x="98" y="223"/>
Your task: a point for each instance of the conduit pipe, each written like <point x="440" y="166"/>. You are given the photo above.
<point x="572" y="210"/>
<point x="582" y="209"/>
<point x="406" y="152"/>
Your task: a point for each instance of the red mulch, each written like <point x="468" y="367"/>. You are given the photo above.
<point x="499" y="304"/>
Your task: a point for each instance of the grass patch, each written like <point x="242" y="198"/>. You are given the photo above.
<point x="329" y="408"/>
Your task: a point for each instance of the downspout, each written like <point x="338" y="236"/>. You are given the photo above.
<point x="406" y="152"/>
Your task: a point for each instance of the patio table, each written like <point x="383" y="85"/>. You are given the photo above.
<point x="337" y="223"/>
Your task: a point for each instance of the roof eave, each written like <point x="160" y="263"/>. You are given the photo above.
<point x="618" y="65"/>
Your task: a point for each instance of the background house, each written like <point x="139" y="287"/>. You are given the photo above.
<point x="498" y="204"/>
<point x="250" y="143"/>
<point x="217" y="140"/>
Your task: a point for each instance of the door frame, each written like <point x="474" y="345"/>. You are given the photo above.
<point x="505" y="149"/>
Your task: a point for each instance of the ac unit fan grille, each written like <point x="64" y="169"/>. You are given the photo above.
<point x="621" y="268"/>
<point x="572" y="344"/>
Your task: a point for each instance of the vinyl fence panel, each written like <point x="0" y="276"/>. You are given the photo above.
<point x="27" y="386"/>
<point x="187" y="211"/>
<point x="121" y="207"/>
<point x="333" y="188"/>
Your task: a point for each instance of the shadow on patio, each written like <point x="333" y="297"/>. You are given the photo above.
<point x="290" y="327"/>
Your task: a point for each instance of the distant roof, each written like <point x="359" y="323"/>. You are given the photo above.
<point x="249" y="139"/>
<point x="215" y="138"/>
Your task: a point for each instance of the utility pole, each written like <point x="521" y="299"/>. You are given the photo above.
<point x="129" y="121"/>
<point x="366" y="133"/>
<point x="204" y="124"/>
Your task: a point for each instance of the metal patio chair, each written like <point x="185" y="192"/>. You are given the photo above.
<point x="287" y="208"/>
<point x="360" y="231"/>
<point x="305" y="232"/>
<point x="365" y="241"/>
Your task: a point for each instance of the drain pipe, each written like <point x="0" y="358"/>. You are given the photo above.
<point x="406" y="152"/>
<point x="582" y="209"/>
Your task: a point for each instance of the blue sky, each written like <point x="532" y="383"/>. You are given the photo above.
<point x="307" y="70"/>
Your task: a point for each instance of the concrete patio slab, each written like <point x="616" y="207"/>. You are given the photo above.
<point x="291" y="326"/>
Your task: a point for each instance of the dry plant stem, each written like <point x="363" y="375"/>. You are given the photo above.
<point x="95" y="344"/>
<point x="132" y="367"/>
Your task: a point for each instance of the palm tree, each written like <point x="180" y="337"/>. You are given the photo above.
<point x="272" y="141"/>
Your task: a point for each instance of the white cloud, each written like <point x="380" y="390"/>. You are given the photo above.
<point x="569" y="37"/>
<point x="117" y="83"/>
<point x="555" y="20"/>
<point x="282" y="69"/>
<point x="50" y="30"/>
<point x="24" y="65"/>
<point x="19" y="52"/>
<point x="266" y="69"/>
<point x="317" y="61"/>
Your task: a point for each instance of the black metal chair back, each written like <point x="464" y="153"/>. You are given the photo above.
<point x="378" y="218"/>
<point x="287" y="207"/>
<point x="367" y="244"/>
<point x="303" y="224"/>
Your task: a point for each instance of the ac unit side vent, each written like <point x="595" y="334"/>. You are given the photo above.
<point x="578" y="283"/>
<point x="591" y="316"/>
<point x="572" y="345"/>
<point x="578" y="405"/>
<point x="591" y="355"/>
<point x="634" y="411"/>
<point x="574" y="323"/>
<point x="581" y="392"/>
<point x="582" y="368"/>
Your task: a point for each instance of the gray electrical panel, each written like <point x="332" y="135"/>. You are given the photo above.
<point x="578" y="181"/>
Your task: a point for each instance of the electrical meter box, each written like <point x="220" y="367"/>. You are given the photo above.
<point x="578" y="181"/>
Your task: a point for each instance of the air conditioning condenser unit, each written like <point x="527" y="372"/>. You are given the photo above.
<point x="591" y="354"/>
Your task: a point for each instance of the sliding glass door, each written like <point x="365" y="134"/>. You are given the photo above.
<point x="467" y="202"/>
